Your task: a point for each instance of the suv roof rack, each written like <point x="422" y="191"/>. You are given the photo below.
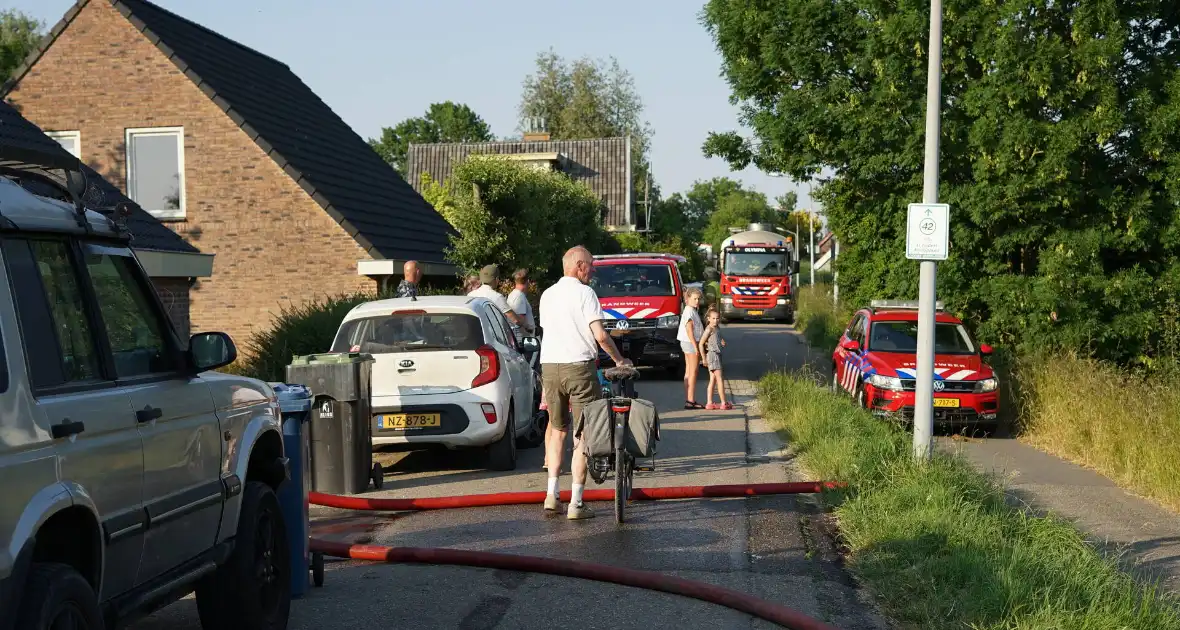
<point x="676" y="257"/>
<point x="900" y="305"/>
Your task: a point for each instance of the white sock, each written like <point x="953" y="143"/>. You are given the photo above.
<point x="553" y="486"/>
<point x="576" y="498"/>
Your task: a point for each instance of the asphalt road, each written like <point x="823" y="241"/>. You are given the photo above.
<point x="771" y="547"/>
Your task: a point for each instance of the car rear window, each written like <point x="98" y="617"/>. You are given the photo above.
<point x="903" y="337"/>
<point x="410" y="332"/>
<point x="632" y="280"/>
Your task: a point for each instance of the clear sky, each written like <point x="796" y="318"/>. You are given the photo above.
<point x="376" y="63"/>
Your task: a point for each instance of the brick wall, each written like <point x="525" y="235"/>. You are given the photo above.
<point x="174" y="293"/>
<point x="274" y="245"/>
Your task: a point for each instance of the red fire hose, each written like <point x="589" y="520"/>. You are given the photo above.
<point x="525" y="498"/>
<point x="729" y="598"/>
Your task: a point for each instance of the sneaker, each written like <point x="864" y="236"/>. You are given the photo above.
<point x="552" y="503"/>
<point x="579" y="512"/>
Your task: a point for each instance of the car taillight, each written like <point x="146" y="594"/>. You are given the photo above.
<point x="489" y="366"/>
<point x="489" y="412"/>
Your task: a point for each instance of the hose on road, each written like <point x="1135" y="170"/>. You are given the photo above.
<point x="607" y="494"/>
<point x="650" y="580"/>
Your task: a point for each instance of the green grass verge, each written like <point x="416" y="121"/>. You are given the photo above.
<point x="937" y="544"/>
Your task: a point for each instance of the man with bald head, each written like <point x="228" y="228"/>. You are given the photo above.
<point x="411" y="275"/>
<point x="572" y="320"/>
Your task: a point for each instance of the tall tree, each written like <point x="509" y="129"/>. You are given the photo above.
<point x="587" y="98"/>
<point x="442" y="122"/>
<point x="1060" y="151"/>
<point x="19" y="35"/>
<point x="737" y="209"/>
<point x="787" y="201"/>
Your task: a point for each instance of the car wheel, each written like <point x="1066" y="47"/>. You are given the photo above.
<point x="502" y="452"/>
<point x="252" y="590"/>
<point x="861" y="397"/>
<point x="538" y="422"/>
<point x="57" y="596"/>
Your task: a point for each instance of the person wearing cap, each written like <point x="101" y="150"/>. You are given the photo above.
<point x="489" y="277"/>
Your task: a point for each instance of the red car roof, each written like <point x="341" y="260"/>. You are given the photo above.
<point x="633" y="261"/>
<point x="909" y="315"/>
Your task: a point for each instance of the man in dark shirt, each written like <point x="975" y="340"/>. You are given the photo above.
<point x="411" y="274"/>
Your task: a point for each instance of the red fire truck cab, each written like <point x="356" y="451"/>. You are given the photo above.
<point x="756" y="267"/>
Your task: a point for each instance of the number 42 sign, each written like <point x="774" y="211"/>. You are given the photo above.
<point x="927" y="235"/>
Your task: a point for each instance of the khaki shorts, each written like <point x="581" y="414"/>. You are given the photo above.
<point x="566" y="385"/>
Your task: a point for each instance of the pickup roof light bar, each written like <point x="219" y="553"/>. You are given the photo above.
<point x="676" y="257"/>
<point x="901" y="305"/>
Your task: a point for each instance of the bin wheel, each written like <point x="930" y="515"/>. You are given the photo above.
<point x="378" y="477"/>
<point x="317" y="568"/>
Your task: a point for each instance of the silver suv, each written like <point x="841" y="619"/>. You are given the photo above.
<point x="130" y="475"/>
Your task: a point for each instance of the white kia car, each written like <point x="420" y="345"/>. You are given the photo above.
<point x="447" y="372"/>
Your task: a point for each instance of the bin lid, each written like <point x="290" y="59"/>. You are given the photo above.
<point x="292" y="397"/>
<point x="332" y="357"/>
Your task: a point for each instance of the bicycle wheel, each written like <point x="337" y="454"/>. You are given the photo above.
<point x="622" y="480"/>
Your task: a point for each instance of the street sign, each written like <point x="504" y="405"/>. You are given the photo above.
<point x="928" y="231"/>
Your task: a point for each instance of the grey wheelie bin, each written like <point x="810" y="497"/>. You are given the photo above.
<point x="341" y="420"/>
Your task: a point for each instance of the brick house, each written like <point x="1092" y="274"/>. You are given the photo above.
<point x="172" y="263"/>
<point x="604" y="164"/>
<point x="233" y="152"/>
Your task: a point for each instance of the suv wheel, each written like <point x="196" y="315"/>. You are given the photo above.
<point x="253" y="589"/>
<point x="502" y="452"/>
<point x="57" y="596"/>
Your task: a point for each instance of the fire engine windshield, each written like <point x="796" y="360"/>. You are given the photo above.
<point x="611" y="281"/>
<point x="903" y="337"/>
<point x="741" y="263"/>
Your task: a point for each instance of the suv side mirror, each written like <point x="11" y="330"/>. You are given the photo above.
<point x="529" y="345"/>
<point x="985" y="349"/>
<point x="850" y="345"/>
<point x="211" y="350"/>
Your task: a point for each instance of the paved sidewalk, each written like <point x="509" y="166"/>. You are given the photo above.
<point x="1144" y="535"/>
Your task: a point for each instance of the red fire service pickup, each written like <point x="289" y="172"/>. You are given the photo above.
<point x="756" y="268"/>
<point x="875" y="362"/>
<point x="641" y="296"/>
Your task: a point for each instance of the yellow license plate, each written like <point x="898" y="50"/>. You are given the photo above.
<point x="946" y="402"/>
<point x="754" y="312"/>
<point x="410" y="420"/>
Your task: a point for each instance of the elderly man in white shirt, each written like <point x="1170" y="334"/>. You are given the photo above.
<point x="572" y="319"/>
<point x="489" y="277"/>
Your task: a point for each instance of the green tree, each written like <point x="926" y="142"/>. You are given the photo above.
<point x="737" y="209"/>
<point x="787" y="202"/>
<point x="442" y="122"/>
<point x="19" y="35"/>
<point x="669" y="217"/>
<point x="587" y="98"/>
<point x="515" y="216"/>
<point x="1060" y="137"/>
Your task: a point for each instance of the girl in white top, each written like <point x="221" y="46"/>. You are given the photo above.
<point x="688" y="336"/>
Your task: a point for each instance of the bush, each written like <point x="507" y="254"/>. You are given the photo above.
<point x="820" y="321"/>
<point x="301" y="329"/>
<point x="937" y="543"/>
<point x="514" y="216"/>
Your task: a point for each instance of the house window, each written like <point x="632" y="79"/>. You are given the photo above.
<point x="155" y="170"/>
<point x="69" y="140"/>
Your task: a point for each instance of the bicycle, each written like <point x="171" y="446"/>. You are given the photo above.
<point x="621" y="462"/>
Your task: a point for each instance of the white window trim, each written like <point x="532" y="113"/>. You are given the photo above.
<point x="128" y="133"/>
<point x="76" y="136"/>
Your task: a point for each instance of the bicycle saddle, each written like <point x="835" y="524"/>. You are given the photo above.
<point x="619" y="373"/>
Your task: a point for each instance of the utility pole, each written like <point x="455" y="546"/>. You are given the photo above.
<point x="927" y="283"/>
<point x="835" y="273"/>
<point x="811" y="249"/>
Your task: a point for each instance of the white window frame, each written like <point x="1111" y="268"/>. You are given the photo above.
<point x="128" y="134"/>
<point x="76" y="136"/>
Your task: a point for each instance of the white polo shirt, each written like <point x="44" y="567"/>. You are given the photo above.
<point x="567" y="309"/>
<point x="497" y="298"/>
